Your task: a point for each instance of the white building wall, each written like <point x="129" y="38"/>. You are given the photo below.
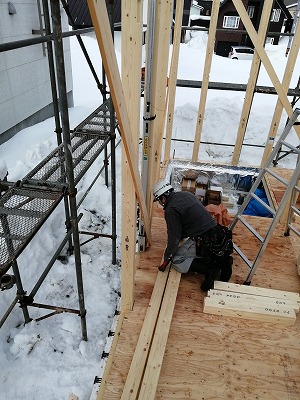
<point x="24" y="73"/>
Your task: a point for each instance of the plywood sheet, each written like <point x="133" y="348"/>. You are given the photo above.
<point x="210" y="356"/>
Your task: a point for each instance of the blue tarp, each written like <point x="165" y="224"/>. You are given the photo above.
<point x="255" y="208"/>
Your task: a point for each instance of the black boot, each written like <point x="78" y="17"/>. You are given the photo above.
<point x="200" y="265"/>
<point x="210" y="276"/>
<point x="226" y="270"/>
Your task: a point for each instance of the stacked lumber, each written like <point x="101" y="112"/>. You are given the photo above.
<point x="261" y="304"/>
<point x="143" y="375"/>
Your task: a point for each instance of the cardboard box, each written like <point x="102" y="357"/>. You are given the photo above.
<point x="188" y="185"/>
<point x="213" y="197"/>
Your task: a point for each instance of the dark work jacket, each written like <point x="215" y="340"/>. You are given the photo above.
<point x="185" y="217"/>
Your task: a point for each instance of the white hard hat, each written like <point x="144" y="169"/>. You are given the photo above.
<point x="160" y="188"/>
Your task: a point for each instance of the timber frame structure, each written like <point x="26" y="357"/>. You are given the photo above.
<point x="146" y="355"/>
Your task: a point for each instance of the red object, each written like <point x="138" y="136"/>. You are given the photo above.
<point x="164" y="265"/>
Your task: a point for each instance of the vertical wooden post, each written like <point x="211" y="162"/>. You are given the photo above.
<point x="163" y="18"/>
<point x="255" y="67"/>
<point x="173" y="77"/>
<point x="205" y="79"/>
<point x="293" y="54"/>
<point x="98" y="13"/>
<point x="131" y="79"/>
<point x="263" y="55"/>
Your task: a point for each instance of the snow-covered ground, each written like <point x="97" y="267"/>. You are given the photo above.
<point x="48" y="360"/>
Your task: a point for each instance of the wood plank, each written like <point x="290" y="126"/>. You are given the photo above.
<point x="131" y="66"/>
<point x="253" y="298"/>
<point x="162" y="31"/>
<point x="279" y="294"/>
<point x="154" y="363"/>
<point x="259" y="47"/>
<point x="211" y="356"/>
<point x="288" y="73"/>
<point x="229" y="308"/>
<point x="139" y="359"/>
<point x="101" y="24"/>
<point x="205" y="80"/>
<point x="173" y="77"/>
<point x="255" y="67"/>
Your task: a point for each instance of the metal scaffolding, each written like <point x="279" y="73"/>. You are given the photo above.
<point x="26" y="204"/>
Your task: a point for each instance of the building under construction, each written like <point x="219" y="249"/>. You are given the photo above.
<point x="169" y="340"/>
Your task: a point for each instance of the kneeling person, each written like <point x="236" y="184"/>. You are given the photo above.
<point x="208" y="246"/>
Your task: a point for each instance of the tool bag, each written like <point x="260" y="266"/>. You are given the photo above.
<point x="215" y="243"/>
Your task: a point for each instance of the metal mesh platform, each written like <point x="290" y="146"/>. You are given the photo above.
<point x="22" y="212"/>
<point x="98" y="121"/>
<point x="88" y="140"/>
<point x="85" y="149"/>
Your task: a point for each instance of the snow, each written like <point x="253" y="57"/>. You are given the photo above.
<point x="47" y="359"/>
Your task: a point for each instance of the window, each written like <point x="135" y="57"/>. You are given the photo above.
<point x="275" y="15"/>
<point x="250" y="11"/>
<point x="231" y="22"/>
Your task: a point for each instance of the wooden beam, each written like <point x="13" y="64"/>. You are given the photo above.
<point x="157" y="351"/>
<point x="289" y="69"/>
<point x="173" y="77"/>
<point x="205" y="79"/>
<point x="101" y="24"/>
<point x="131" y="69"/>
<point x="255" y="67"/>
<point x="139" y="359"/>
<point x="286" y="317"/>
<point x="263" y="55"/>
<point x="248" y="298"/>
<point x="234" y="287"/>
<point x="144" y="370"/>
<point x="161" y="46"/>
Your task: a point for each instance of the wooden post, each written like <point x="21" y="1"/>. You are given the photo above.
<point x="163" y="18"/>
<point x="263" y="56"/>
<point x="132" y="24"/>
<point x="205" y="79"/>
<point x="255" y="67"/>
<point x="173" y="77"/>
<point x="293" y="54"/>
<point x="99" y="17"/>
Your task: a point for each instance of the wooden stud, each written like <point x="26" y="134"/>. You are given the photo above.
<point x="157" y="351"/>
<point x="163" y="17"/>
<point x="255" y="299"/>
<point x="266" y="313"/>
<point x="100" y="20"/>
<point x="205" y="79"/>
<point x="263" y="56"/>
<point x="139" y="359"/>
<point x="173" y="77"/>
<point x="255" y="67"/>
<point x="131" y="72"/>
<point x="293" y="54"/>
<point x="234" y="287"/>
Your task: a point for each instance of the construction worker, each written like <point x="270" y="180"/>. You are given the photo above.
<point x="208" y="246"/>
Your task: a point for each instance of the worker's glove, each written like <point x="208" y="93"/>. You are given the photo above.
<point x="164" y="265"/>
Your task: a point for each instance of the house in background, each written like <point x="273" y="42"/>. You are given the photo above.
<point x="80" y="13"/>
<point x="230" y="20"/>
<point x="26" y="96"/>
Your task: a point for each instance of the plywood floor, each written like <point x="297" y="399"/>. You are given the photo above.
<point x="215" y="357"/>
